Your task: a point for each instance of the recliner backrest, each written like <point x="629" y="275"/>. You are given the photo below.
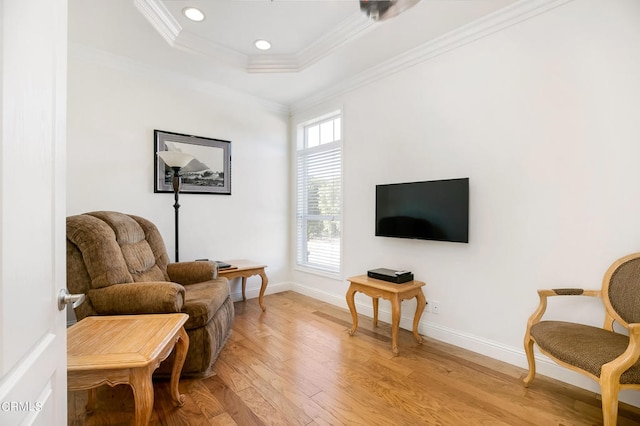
<point x="106" y="248"/>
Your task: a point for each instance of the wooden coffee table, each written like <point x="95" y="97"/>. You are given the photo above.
<point x="126" y="349"/>
<point x="246" y="268"/>
<point x="395" y="293"/>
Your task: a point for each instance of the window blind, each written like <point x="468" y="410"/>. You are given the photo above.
<point x="319" y="201"/>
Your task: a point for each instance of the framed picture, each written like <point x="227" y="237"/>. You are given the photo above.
<point x="208" y="173"/>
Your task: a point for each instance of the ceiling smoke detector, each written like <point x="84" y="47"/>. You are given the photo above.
<point x="379" y="10"/>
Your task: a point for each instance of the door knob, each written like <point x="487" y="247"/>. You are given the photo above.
<point x="64" y="298"/>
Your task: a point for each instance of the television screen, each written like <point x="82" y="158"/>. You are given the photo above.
<point x="431" y="210"/>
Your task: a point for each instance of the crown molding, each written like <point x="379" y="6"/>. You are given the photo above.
<point x="160" y="18"/>
<point x="476" y="30"/>
<point x="273" y="63"/>
<point x="167" y="25"/>
<point x="345" y="31"/>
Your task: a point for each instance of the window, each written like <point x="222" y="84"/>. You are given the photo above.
<point x="319" y="194"/>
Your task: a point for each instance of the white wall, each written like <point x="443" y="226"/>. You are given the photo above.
<point x="543" y="117"/>
<point x="114" y="107"/>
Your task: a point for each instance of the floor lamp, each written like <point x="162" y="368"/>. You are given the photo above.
<point x="176" y="160"/>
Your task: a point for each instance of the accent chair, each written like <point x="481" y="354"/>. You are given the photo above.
<point x="603" y="354"/>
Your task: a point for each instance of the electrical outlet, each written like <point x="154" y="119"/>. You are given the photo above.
<point x="435" y="307"/>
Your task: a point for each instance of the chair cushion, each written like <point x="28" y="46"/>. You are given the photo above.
<point x="137" y="253"/>
<point x="202" y="301"/>
<point x="100" y="252"/>
<point x="583" y="346"/>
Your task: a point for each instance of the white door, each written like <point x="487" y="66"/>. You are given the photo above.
<point x="33" y="56"/>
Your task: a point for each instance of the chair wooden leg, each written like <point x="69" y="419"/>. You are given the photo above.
<point x="528" y="349"/>
<point x="609" y="389"/>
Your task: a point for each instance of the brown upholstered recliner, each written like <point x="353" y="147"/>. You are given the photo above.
<point x="120" y="262"/>
<point x="608" y="357"/>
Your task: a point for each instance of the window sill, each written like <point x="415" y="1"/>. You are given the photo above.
<point x="332" y="275"/>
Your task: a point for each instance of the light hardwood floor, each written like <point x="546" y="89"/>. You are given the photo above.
<point x="296" y="364"/>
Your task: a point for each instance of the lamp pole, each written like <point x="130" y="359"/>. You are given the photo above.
<point x="176" y="205"/>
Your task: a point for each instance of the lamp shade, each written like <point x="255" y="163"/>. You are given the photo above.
<point x="175" y="159"/>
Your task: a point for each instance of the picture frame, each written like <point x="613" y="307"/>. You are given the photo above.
<point x="208" y="173"/>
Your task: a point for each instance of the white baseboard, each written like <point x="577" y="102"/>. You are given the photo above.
<point x="254" y="293"/>
<point x="509" y="354"/>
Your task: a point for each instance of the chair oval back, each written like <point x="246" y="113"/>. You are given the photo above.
<point x="621" y="289"/>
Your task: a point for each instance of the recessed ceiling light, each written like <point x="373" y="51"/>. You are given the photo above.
<point x="262" y="44"/>
<point x="193" y="14"/>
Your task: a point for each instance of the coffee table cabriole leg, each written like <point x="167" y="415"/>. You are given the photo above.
<point x="421" y="304"/>
<point x="352" y="308"/>
<point x="263" y="287"/>
<point x="375" y="311"/>
<point x="395" y="323"/>
<point x="142" y="387"/>
<point x="181" y="347"/>
<point x="244" y="289"/>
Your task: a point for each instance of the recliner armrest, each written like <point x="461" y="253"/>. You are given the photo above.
<point x="138" y="298"/>
<point x="192" y="272"/>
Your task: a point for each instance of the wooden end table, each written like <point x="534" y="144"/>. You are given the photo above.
<point x="395" y="293"/>
<point x="126" y="349"/>
<point x="246" y="268"/>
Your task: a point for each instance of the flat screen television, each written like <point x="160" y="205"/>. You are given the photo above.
<point x="431" y="210"/>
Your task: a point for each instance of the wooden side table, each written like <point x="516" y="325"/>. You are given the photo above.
<point x="246" y="268"/>
<point x="395" y="293"/>
<point x="126" y="349"/>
